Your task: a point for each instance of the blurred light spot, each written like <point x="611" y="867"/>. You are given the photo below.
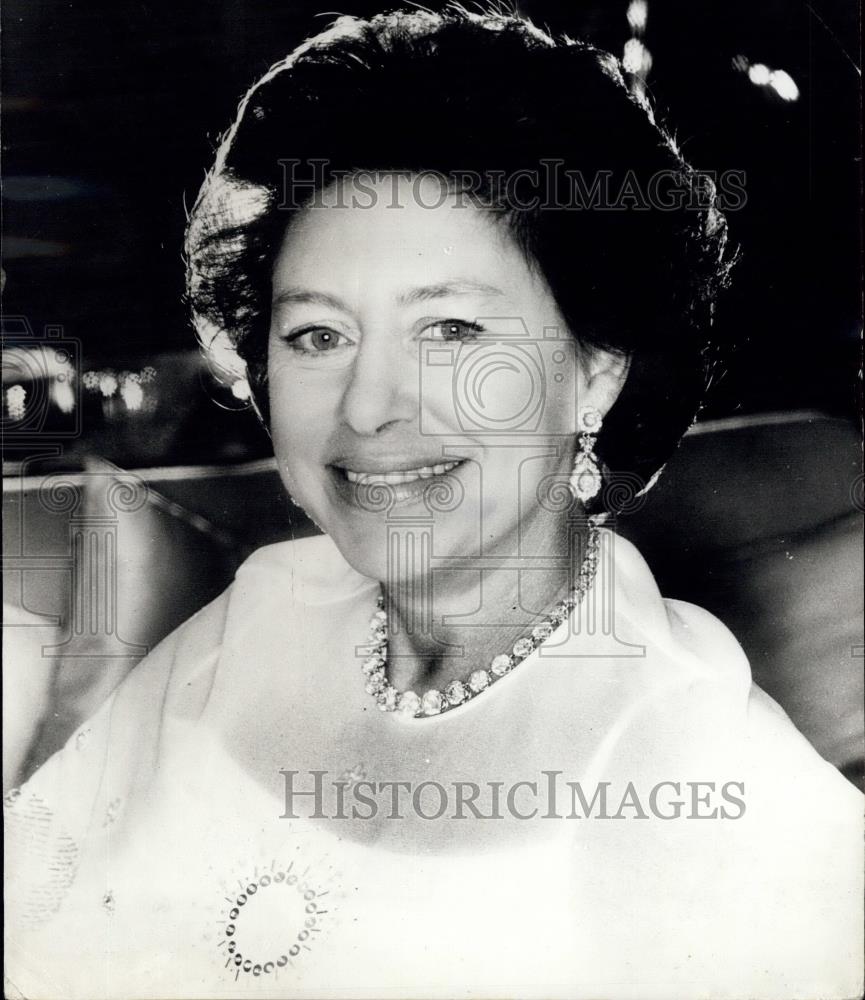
<point x="148" y="374"/>
<point x="636" y="58"/>
<point x="107" y="384"/>
<point x="240" y="389"/>
<point x="90" y="380"/>
<point x="638" y="12"/>
<point x="784" y="85"/>
<point x="759" y="74"/>
<point x="36" y="362"/>
<point x="16" y="401"/>
<point x="132" y="394"/>
<point x="63" y="394"/>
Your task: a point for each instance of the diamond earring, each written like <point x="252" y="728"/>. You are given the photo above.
<point x="585" y="482"/>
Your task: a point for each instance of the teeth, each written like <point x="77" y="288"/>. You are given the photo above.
<point x="405" y="476"/>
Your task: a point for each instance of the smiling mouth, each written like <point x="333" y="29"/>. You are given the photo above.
<point x="398" y="477"/>
<point x="357" y="487"/>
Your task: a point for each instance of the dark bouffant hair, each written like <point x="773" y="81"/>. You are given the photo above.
<point x="458" y="92"/>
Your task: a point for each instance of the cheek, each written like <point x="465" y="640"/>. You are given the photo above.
<point x="505" y="392"/>
<point x="300" y="419"/>
<point x="562" y="404"/>
<point x="489" y="388"/>
<point x="564" y="389"/>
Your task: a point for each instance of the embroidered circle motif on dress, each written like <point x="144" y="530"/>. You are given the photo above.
<point x="307" y="911"/>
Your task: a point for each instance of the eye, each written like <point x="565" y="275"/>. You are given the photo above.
<point x="454" y="329"/>
<point x="315" y="340"/>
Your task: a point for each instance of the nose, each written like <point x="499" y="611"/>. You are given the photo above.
<point x="379" y="392"/>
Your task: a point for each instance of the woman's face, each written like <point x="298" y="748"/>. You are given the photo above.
<point x="411" y="345"/>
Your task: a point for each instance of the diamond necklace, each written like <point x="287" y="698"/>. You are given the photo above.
<point x="458" y="692"/>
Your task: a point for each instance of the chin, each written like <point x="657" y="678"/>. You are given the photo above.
<point x="384" y="547"/>
<point x="364" y="557"/>
<point x="362" y="545"/>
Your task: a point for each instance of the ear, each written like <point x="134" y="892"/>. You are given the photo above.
<point x="604" y="373"/>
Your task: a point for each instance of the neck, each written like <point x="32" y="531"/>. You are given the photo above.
<point x="459" y="619"/>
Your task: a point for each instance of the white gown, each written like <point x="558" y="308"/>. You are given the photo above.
<point x="153" y="856"/>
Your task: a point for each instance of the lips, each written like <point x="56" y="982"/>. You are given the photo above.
<point x="398" y="476"/>
<point x="408" y="480"/>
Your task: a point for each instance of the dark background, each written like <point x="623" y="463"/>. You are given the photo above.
<point x="112" y="110"/>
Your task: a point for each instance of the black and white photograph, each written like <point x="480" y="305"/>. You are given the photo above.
<point x="432" y="500"/>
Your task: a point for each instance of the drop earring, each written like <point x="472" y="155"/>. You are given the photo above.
<point x="585" y="481"/>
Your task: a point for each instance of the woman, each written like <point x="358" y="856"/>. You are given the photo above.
<point x="458" y="744"/>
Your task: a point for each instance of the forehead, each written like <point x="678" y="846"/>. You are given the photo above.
<point x="388" y="232"/>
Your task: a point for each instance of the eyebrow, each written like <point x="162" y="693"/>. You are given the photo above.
<point x="442" y="290"/>
<point x="423" y="293"/>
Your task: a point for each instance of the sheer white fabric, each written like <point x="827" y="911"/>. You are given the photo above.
<point x="152" y="857"/>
